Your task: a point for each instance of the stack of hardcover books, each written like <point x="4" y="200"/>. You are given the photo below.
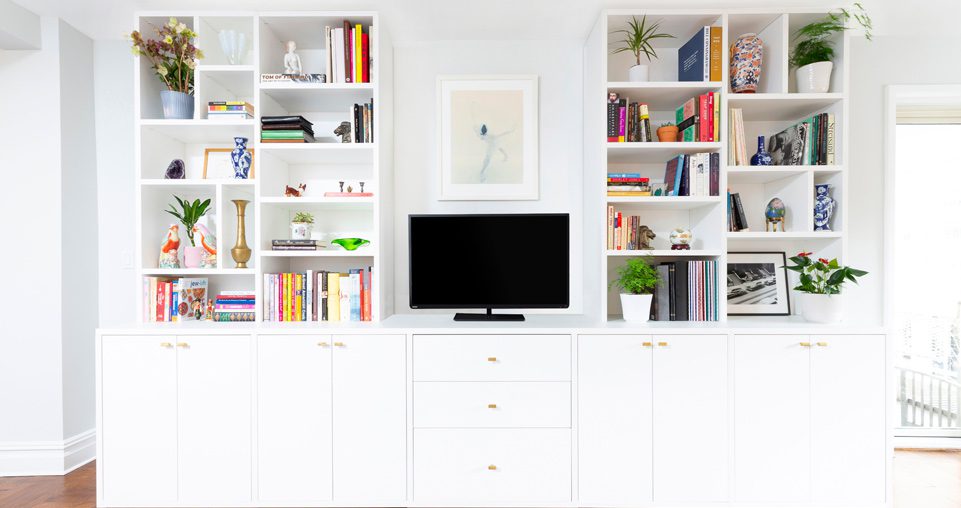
<point x="295" y="245"/>
<point x="699" y="118"/>
<point x="286" y="129"/>
<point x="235" y="306"/>
<point x="628" y="184"/>
<point x="230" y="110"/>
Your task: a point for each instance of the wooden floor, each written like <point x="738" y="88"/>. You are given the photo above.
<point x="922" y="479"/>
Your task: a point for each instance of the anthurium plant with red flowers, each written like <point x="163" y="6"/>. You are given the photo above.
<point x="821" y="276"/>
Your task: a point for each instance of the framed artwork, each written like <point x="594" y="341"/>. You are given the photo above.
<point x="487" y="129"/>
<point x="757" y="284"/>
<point x="217" y="165"/>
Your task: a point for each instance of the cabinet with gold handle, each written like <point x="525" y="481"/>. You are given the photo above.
<point x="166" y="345"/>
<point x="647" y="344"/>
<point x="805" y="344"/>
<point x="492" y="467"/>
<point x="339" y="344"/>
<point x="323" y="344"/>
<point x="183" y="345"/>
<point x="662" y="344"/>
<point x="822" y="344"/>
<point x="492" y="406"/>
<point x="492" y="359"/>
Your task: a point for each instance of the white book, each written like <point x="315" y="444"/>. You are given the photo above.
<point x="353" y="64"/>
<point x="345" y="290"/>
<point x="830" y="149"/>
<point x="338" y="55"/>
<point x="329" y="57"/>
<point x="371" y="54"/>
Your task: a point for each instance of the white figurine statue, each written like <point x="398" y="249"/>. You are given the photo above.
<point x="292" y="63"/>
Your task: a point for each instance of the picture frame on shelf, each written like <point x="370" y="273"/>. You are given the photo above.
<point x="217" y="164"/>
<point x="757" y="284"/>
<point x="488" y="137"/>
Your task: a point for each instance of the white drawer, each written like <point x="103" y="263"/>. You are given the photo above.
<point x="492" y="358"/>
<point x="492" y="405"/>
<point x="492" y="465"/>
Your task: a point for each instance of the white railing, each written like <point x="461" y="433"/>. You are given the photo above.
<point x="927" y="400"/>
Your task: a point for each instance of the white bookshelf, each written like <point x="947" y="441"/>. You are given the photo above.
<point x="775" y="107"/>
<point x="318" y="165"/>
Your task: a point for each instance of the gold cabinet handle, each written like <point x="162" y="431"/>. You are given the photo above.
<point x="339" y="344"/>
<point x="662" y="344"/>
<point x="822" y="344"/>
<point x="805" y="344"/>
<point x="492" y="359"/>
<point x="492" y="467"/>
<point x="492" y="406"/>
<point x="323" y="344"/>
<point x="166" y="344"/>
<point x="183" y="345"/>
<point x="646" y="344"/>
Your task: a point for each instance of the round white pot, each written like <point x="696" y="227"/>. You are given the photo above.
<point x="814" y="78"/>
<point x="300" y="230"/>
<point x="821" y="308"/>
<point x="638" y="73"/>
<point x="637" y="308"/>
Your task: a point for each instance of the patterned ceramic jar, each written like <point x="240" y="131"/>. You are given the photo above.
<point x="746" y="54"/>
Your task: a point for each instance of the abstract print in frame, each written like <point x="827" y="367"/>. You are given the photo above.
<point x="488" y="137"/>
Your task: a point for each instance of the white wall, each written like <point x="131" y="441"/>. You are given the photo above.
<point x="416" y="174"/>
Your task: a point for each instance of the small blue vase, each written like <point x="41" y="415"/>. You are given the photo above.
<point x="761" y="158"/>
<point x="240" y="158"/>
<point x="824" y="206"/>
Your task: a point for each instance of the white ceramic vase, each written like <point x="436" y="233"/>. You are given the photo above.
<point x="821" y="308"/>
<point x="638" y="73"/>
<point x="300" y="230"/>
<point x="636" y="308"/>
<point x="814" y="78"/>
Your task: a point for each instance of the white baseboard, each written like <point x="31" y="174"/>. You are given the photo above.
<point x="926" y="442"/>
<point x="47" y="458"/>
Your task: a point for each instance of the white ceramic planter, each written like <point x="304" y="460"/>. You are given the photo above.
<point x="814" y="78"/>
<point x="821" y="308"/>
<point x="300" y="230"/>
<point x="637" y="308"/>
<point x="638" y="73"/>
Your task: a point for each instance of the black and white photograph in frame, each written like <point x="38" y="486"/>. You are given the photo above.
<point x="757" y="284"/>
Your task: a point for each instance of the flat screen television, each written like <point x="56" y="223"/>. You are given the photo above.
<point x="502" y="261"/>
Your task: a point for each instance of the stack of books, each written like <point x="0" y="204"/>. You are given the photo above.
<point x="687" y="291"/>
<point x="809" y="142"/>
<point x="318" y="296"/>
<point x="296" y="245"/>
<point x="628" y="184"/>
<point x="736" y="219"/>
<point x="231" y="110"/>
<point x="699" y="118"/>
<point x="362" y="122"/>
<point x="699" y="59"/>
<point x="167" y="299"/>
<point x="627" y="122"/>
<point x="624" y="232"/>
<point x="348" y="53"/>
<point x="697" y="174"/>
<point x="235" y="306"/>
<point x="286" y="129"/>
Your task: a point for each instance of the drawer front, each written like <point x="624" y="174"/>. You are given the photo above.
<point x="492" y="358"/>
<point x="492" y="465"/>
<point x="492" y="405"/>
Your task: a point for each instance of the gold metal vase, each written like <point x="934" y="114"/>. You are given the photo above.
<point x="241" y="252"/>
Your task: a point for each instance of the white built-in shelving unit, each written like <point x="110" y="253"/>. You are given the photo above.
<point x="319" y="165"/>
<point x="774" y="107"/>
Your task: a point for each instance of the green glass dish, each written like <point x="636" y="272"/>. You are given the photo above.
<point x="350" y="243"/>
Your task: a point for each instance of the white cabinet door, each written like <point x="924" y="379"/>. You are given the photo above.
<point x="772" y="457"/>
<point x="294" y="418"/>
<point x="690" y="419"/>
<point x="848" y="426"/>
<point x="370" y="418"/>
<point x="214" y="419"/>
<point x="138" y="420"/>
<point x="614" y="419"/>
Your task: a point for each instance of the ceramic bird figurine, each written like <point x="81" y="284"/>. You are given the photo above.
<point x="209" y="243"/>
<point x="170" y="247"/>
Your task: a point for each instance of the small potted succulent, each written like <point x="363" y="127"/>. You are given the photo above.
<point x="637" y="40"/>
<point x="820" y="286"/>
<point x="667" y="132"/>
<point x="173" y="58"/>
<point x="814" y="52"/>
<point x="301" y="226"/>
<point x="637" y="280"/>
<point x="188" y="215"/>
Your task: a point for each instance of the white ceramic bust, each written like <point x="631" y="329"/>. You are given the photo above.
<point x="292" y="63"/>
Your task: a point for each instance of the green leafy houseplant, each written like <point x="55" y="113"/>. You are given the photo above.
<point x="303" y="218"/>
<point x="821" y="276"/>
<point x="189" y="214"/>
<point x="637" y="38"/>
<point x="812" y="39"/>
<point x="173" y="57"/>
<point x="637" y="277"/>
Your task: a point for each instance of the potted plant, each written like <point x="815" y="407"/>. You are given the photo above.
<point x="667" y="132"/>
<point x="637" y="40"/>
<point x="173" y="57"/>
<point x="301" y="226"/>
<point x="637" y="280"/>
<point x="814" y="51"/>
<point x="188" y="215"/>
<point x="820" y="286"/>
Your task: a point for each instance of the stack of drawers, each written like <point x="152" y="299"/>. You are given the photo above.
<point x="492" y="418"/>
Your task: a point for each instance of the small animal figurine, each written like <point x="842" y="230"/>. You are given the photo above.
<point x="292" y="63"/>
<point x="644" y="238"/>
<point x="774" y="215"/>
<point x="175" y="170"/>
<point x="295" y="192"/>
<point x="209" y="243"/>
<point x="350" y="189"/>
<point x="170" y="248"/>
<point x="343" y="130"/>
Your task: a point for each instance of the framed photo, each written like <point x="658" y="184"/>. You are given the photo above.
<point x="217" y="165"/>
<point x="487" y="129"/>
<point x="757" y="284"/>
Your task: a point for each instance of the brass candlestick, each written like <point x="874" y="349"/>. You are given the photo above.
<point x="241" y="252"/>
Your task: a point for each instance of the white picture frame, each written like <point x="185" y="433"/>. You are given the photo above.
<point x="487" y="137"/>
<point x="757" y="284"/>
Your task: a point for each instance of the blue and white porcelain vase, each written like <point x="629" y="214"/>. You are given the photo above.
<point x="240" y="158"/>
<point x="824" y="206"/>
<point x="761" y="158"/>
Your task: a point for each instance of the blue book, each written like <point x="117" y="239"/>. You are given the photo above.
<point x="623" y="175"/>
<point x="679" y="176"/>
<point x="693" y="58"/>
<point x="355" y="294"/>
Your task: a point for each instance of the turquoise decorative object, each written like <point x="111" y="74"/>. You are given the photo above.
<point x="774" y="214"/>
<point x="350" y="243"/>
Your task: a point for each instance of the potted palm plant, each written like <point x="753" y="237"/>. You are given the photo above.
<point x="820" y="286"/>
<point x="637" y="40"/>
<point x="637" y="280"/>
<point x="814" y="51"/>
<point x="173" y="58"/>
<point x="188" y="215"/>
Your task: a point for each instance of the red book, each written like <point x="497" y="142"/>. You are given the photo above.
<point x="710" y="116"/>
<point x="365" y="57"/>
<point x="628" y="180"/>
<point x="367" y="303"/>
<point x="705" y="115"/>
<point x="348" y="49"/>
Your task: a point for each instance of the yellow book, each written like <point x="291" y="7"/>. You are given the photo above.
<point x="629" y="193"/>
<point x="286" y="308"/>
<point x="715" y="53"/>
<point x="298" y="297"/>
<point x="717" y="116"/>
<point x="358" y="69"/>
<point x="333" y="297"/>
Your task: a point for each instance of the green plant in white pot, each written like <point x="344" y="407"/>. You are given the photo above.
<point x="820" y="286"/>
<point x="814" y="52"/>
<point x="637" y="40"/>
<point x="301" y="226"/>
<point x="637" y="280"/>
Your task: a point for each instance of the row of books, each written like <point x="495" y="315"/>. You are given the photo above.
<point x="697" y="174"/>
<point x="624" y="232"/>
<point x="809" y="142"/>
<point x="318" y="296"/>
<point x="627" y="121"/>
<point x="167" y="299"/>
<point x="286" y="129"/>
<point x="699" y="118"/>
<point x="308" y="245"/>
<point x="687" y="291"/>
<point x="362" y="122"/>
<point x="348" y="53"/>
<point x="699" y="59"/>
<point x="628" y="184"/>
<point x="231" y="110"/>
<point x="235" y="306"/>
<point x="736" y="219"/>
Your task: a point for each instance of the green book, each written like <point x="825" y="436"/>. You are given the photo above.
<point x="293" y="134"/>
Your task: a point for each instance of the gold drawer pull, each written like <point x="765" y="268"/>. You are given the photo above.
<point x="323" y="344"/>
<point x="805" y="344"/>
<point x="166" y="344"/>
<point x="662" y="344"/>
<point x="492" y="359"/>
<point x="646" y="344"/>
<point x="492" y="406"/>
<point x="822" y="344"/>
<point x="339" y="344"/>
<point x="183" y="345"/>
<point x="492" y="467"/>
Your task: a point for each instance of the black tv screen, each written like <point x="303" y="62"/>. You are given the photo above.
<point x="519" y="261"/>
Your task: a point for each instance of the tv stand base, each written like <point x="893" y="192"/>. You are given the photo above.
<point x="489" y="316"/>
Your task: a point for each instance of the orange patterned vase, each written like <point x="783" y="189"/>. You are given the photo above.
<point x="746" y="54"/>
